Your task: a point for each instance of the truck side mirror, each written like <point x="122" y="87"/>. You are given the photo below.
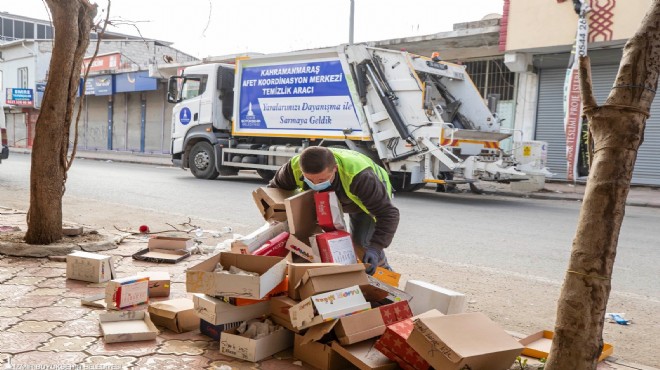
<point x="225" y="86"/>
<point x="173" y="90"/>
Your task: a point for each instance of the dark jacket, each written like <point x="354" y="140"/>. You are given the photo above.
<point x="368" y="188"/>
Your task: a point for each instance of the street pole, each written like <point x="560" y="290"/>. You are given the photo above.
<point x="351" y="21"/>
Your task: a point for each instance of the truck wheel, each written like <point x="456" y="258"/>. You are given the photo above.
<point x="202" y="161"/>
<point x="404" y="186"/>
<point x="266" y="174"/>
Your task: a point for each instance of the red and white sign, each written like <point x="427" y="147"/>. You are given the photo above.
<point x="102" y="62"/>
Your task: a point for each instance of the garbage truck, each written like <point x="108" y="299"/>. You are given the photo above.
<point x="421" y="118"/>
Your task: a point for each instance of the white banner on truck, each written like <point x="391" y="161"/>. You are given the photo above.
<point x="299" y="99"/>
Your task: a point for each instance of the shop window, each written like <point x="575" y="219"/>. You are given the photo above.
<point x="492" y="77"/>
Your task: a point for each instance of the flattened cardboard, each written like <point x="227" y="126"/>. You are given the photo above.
<point x="448" y="342"/>
<point x="296" y="272"/>
<point x="214" y="331"/>
<point x="201" y="278"/>
<point x="301" y="213"/>
<point x="538" y="345"/>
<point x="92" y="267"/>
<point x="270" y="202"/>
<point x="254" y="350"/>
<point x="326" y="279"/>
<point x="427" y="296"/>
<point x="178" y="315"/>
<point x="365" y="356"/>
<point x="127" y="326"/>
<point x="218" y="312"/>
<point x="127" y="292"/>
<point x="393" y="343"/>
<point x="165" y="249"/>
<point x="336" y="246"/>
<point x="319" y="355"/>
<point x="251" y="242"/>
<point x="159" y="283"/>
<point x="95" y="300"/>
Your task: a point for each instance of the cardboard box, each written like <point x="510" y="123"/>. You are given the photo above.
<point x="270" y="202"/>
<point x="279" y="290"/>
<point x="127" y="292"/>
<point x="92" y="267"/>
<point x="274" y="247"/>
<point x="127" y="326"/>
<point x="279" y="312"/>
<point x="165" y="249"/>
<point x="295" y="272"/>
<point x="159" y="283"/>
<point x="318" y="355"/>
<point x="301" y="214"/>
<point x="538" y="345"/>
<point x="94" y="300"/>
<point x="335" y="246"/>
<point x="371" y="323"/>
<point x="331" y="305"/>
<point x="254" y="350"/>
<point x="388" y="277"/>
<point x="178" y="315"/>
<point x="214" y="331"/>
<point x="393" y="344"/>
<point x="218" y="312"/>
<point x="253" y="241"/>
<point x="329" y="214"/>
<point x="201" y="278"/>
<point x="427" y="296"/>
<point x="364" y="356"/>
<point x="326" y="279"/>
<point x="393" y="294"/>
<point x="303" y="249"/>
<point x="448" y="342"/>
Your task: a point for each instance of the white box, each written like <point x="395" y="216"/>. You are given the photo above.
<point x="426" y="296"/>
<point x="127" y="326"/>
<point x="92" y="267"/>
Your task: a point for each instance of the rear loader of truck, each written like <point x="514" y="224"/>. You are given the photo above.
<point x="421" y="119"/>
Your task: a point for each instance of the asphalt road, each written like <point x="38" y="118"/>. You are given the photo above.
<point x="529" y="237"/>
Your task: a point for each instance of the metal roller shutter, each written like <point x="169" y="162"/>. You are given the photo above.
<point x="550" y="124"/>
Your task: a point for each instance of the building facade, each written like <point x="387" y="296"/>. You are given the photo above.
<point x="124" y="108"/>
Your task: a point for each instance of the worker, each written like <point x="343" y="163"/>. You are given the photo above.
<point x="363" y="189"/>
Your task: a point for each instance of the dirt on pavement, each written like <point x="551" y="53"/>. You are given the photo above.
<point x="520" y="303"/>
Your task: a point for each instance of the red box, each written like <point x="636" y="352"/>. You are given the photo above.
<point x="395" y="312"/>
<point x="328" y="211"/>
<point x="393" y="345"/>
<point x="274" y="247"/>
<point x="336" y="247"/>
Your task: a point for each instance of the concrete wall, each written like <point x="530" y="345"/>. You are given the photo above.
<point x="140" y="53"/>
<point x="541" y="24"/>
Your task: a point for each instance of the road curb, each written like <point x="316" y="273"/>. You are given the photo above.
<point x="631" y="203"/>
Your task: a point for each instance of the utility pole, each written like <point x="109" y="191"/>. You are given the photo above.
<point x="351" y="21"/>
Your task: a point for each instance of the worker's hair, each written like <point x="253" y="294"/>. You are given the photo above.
<point x="316" y="159"/>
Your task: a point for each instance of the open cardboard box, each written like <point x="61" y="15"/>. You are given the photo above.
<point x="218" y="312"/>
<point x="301" y="218"/>
<point x="393" y="294"/>
<point x="214" y="331"/>
<point x="253" y="241"/>
<point x="178" y="315"/>
<point x="127" y="326"/>
<point x="364" y="356"/>
<point x="202" y="278"/>
<point x="165" y="249"/>
<point x="448" y="342"/>
<point x="538" y="345"/>
<point x="318" y="354"/>
<point x="296" y="272"/>
<point x="325" y="279"/>
<point x="371" y="323"/>
<point x="270" y="202"/>
<point x="92" y="267"/>
<point x="254" y="350"/>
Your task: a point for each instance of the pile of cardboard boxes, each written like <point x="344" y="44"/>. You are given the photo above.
<point x="297" y="282"/>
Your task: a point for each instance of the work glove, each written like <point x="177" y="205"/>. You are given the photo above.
<point x="374" y="257"/>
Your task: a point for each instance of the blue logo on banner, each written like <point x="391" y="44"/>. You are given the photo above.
<point x="184" y="116"/>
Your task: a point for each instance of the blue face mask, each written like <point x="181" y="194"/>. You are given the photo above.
<point x="318" y="187"/>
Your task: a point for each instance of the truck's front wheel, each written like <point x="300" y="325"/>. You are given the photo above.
<point x="202" y="161"/>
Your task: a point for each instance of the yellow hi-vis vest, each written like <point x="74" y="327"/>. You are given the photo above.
<point x="349" y="164"/>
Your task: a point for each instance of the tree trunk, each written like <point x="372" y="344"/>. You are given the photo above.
<point x="72" y="21"/>
<point x="617" y="129"/>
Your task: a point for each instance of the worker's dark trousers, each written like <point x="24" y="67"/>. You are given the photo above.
<point x="362" y="227"/>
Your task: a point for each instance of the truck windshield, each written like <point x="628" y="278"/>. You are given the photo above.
<point x="193" y="86"/>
